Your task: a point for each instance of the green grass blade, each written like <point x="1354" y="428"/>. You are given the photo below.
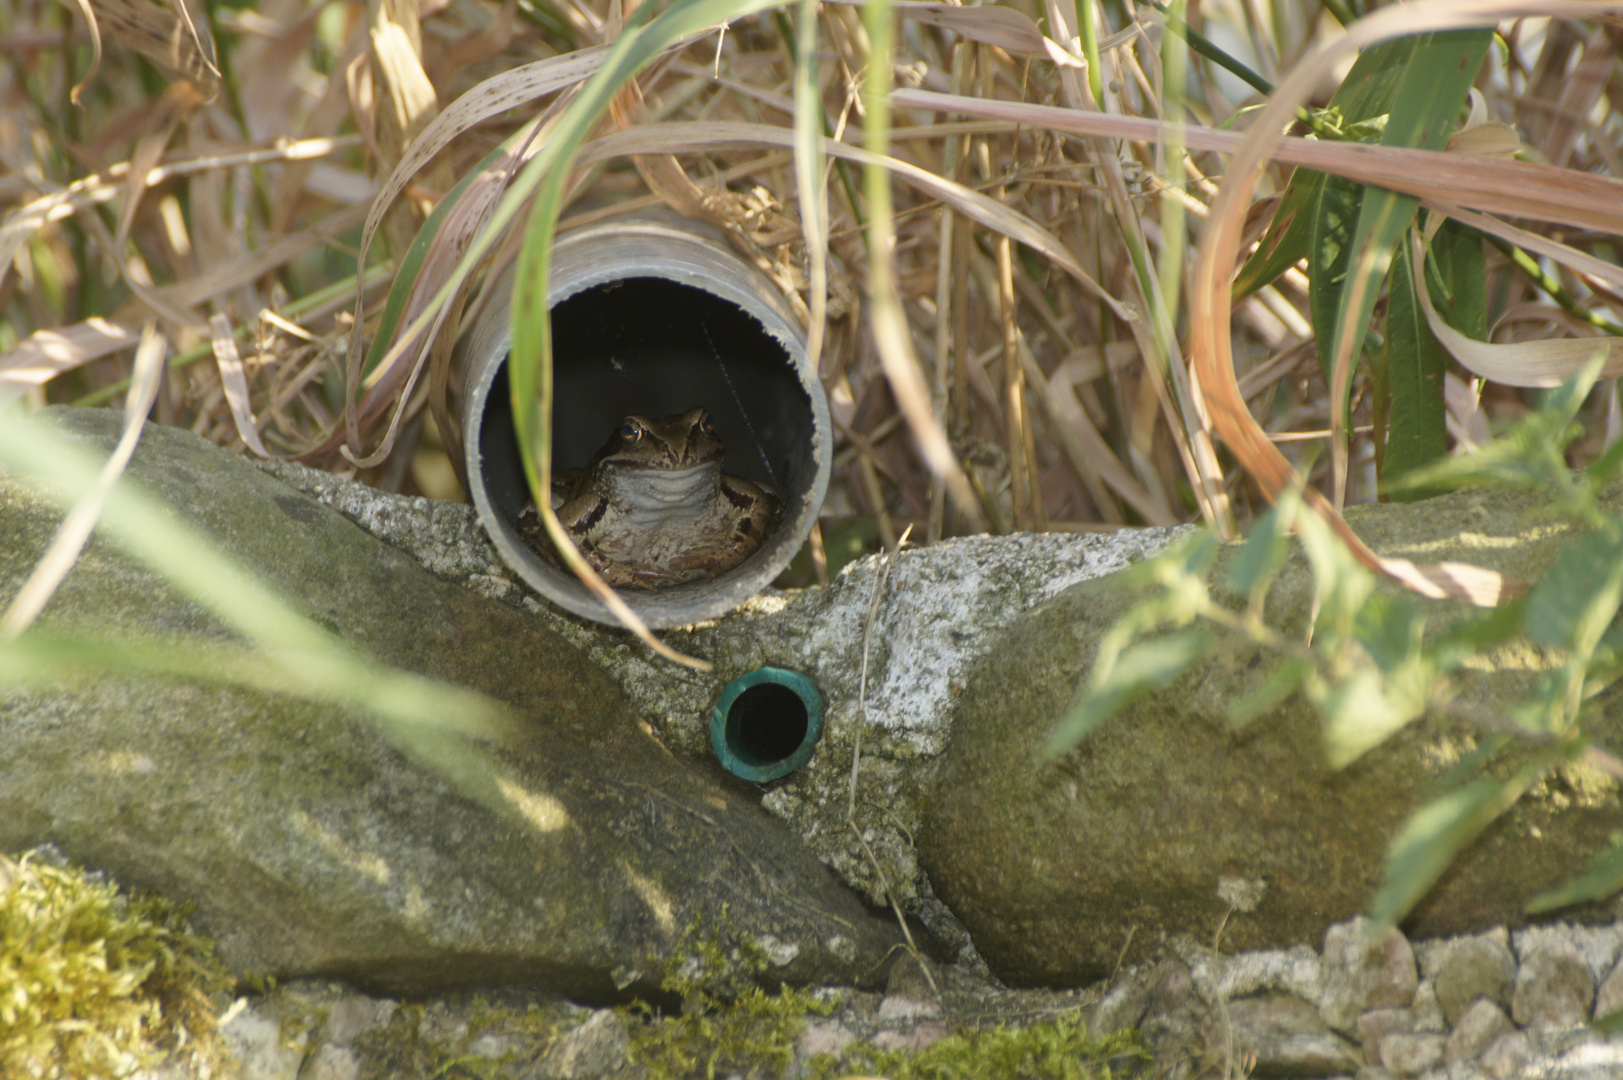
<point x="1086" y="12"/>
<point x="1425" y="102"/>
<point x="405" y="279"/>
<point x="436" y="723"/>
<point x="545" y="176"/>
<point x="1417" y="430"/>
<point x="1456" y="274"/>
<point x="1363" y="97"/>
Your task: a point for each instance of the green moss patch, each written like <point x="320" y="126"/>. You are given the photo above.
<point x="94" y="983"/>
<point x="1057" y="1050"/>
<point x="729" y="1025"/>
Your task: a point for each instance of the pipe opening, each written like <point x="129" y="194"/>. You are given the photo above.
<point x="654" y="320"/>
<point x="767" y="724"/>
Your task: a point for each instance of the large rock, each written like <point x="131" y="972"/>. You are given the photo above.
<point x="1165" y="818"/>
<point x="311" y="844"/>
<point x="887" y="693"/>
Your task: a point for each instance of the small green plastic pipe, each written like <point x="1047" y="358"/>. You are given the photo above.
<point x="766" y="723"/>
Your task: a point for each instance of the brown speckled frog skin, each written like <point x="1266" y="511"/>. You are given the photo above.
<point x="653" y="507"/>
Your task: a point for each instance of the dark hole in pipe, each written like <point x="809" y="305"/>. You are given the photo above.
<point x="654" y="347"/>
<point x="766" y="723"/>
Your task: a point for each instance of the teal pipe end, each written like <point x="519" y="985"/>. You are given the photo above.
<point x="767" y="723"/>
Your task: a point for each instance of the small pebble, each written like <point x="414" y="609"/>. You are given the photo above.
<point x="1482" y="1023"/>
<point x="1554" y="989"/>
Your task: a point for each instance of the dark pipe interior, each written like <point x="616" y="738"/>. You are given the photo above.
<point x="654" y="347"/>
<point x="766" y="723"/>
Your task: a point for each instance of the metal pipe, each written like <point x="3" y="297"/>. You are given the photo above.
<point x="767" y="723"/>
<point x="652" y="316"/>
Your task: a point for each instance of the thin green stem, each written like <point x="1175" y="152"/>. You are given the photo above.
<point x="1086" y="14"/>
<point x="1557" y="292"/>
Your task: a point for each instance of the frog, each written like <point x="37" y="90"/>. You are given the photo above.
<point x="653" y="507"/>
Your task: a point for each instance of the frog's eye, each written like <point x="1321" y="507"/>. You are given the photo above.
<point x="707" y="424"/>
<point x="632" y="431"/>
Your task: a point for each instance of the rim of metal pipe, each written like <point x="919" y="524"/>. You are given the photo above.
<point x="653" y="315"/>
<point x="767" y="723"/>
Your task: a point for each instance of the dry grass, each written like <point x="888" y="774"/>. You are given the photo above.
<point x="233" y="220"/>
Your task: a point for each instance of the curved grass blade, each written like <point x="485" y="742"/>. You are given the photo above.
<point x="548" y="171"/>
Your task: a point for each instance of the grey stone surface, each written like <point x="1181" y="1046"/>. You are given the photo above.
<point x="1377" y="1024"/>
<point x="1476" y="967"/>
<point x="1410" y="1053"/>
<point x="1297" y="970"/>
<point x="942" y="607"/>
<point x="1364" y="970"/>
<point x="1598" y="945"/>
<point x="331" y="1062"/>
<point x="592" y="1051"/>
<point x="1428" y="1014"/>
<point x="1508" y="1056"/>
<point x="315" y="842"/>
<point x="261" y="1053"/>
<point x="1283" y="1035"/>
<point x="1138" y="828"/>
<point x="1609" y="995"/>
<point x="1480" y="1024"/>
<point x="1554" y="988"/>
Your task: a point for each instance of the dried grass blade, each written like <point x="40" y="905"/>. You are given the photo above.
<point x="433" y="258"/>
<point x="1578" y="261"/>
<point x="1090" y="453"/>
<point x="234" y="381"/>
<point x="161" y="35"/>
<point x="1524" y="363"/>
<point x="892" y="339"/>
<point x="45" y="354"/>
<point x="94" y="190"/>
<point x="1515" y="188"/>
<point x="680" y="136"/>
<point x="490" y="98"/>
<point x="88" y="12"/>
<point x="1002" y="27"/>
<point x="256" y="264"/>
<point x="77" y="525"/>
<point x="1210" y="303"/>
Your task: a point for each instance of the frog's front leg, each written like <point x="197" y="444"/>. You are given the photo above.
<point x="636" y="575"/>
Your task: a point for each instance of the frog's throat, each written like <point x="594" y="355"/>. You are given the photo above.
<point x="650" y="496"/>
